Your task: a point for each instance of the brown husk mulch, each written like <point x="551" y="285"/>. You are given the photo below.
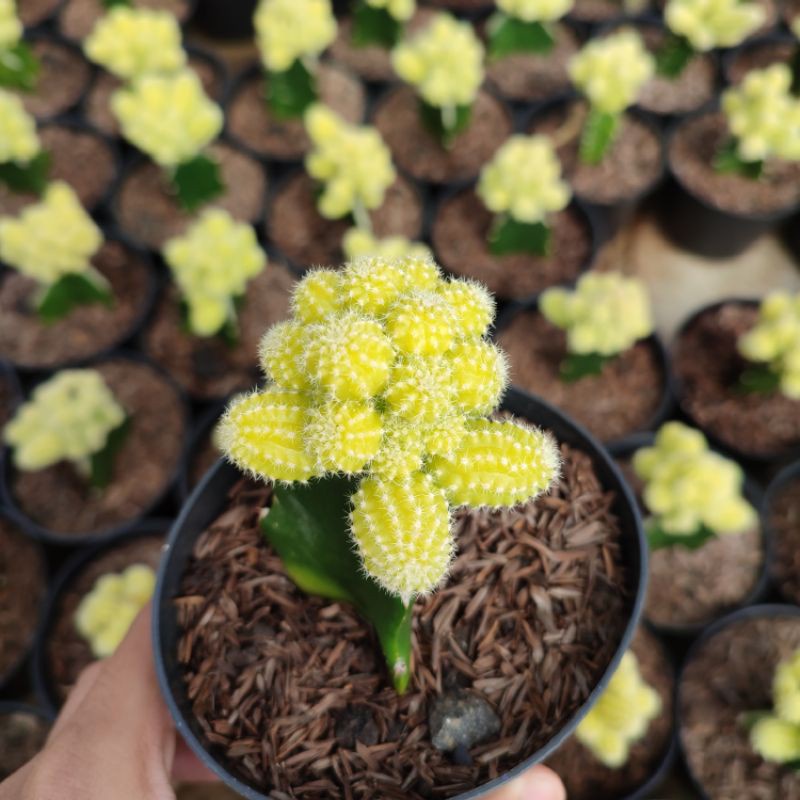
<point x="143" y="468"/>
<point x="731" y="675"/>
<point x="623" y="399"/>
<point x="291" y="693"/>
<point x="784" y="527"/>
<point x="22" y="736"/>
<point x="707" y="366"/>
<point x="78" y="17"/>
<point x="87" y="330"/>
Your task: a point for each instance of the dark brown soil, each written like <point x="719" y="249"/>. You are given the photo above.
<point x="692" y="150"/>
<point x="731" y="675"/>
<point x="631" y="167"/>
<point x="78" y="17"/>
<point x="22" y="736"/>
<point x="67" y="652"/>
<point x="585" y="777"/>
<point x="147" y="211"/>
<point x="209" y="368"/>
<point x="758" y="55"/>
<point x="784" y="526"/>
<point x="622" y="400"/>
<point x="34" y="12"/>
<point x="64" y="76"/>
<point x="143" y="468"/>
<point x="23" y="583"/>
<point x="249" y="121"/>
<point x="293" y="695"/>
<point x="707" y="366"/>
<point x="87" y="330"/>
<point x="593" y="11"/>
<point x="420" y="154"/>
<point x="308" y="239"/>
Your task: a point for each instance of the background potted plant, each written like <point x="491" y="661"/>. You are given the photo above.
<point x="19" y="66"/>
<point x="23" y="163"/>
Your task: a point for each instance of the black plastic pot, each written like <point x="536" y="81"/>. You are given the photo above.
<point x="209" y="499"/>
<point x="786" y="476"/>
<point x="201" y="431"/>
<point x="753" y="46"/>
<point x="8" y="377"/>
<point x="226" y="19"/>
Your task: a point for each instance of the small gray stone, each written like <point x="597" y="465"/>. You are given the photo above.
<point x="461" y="719"/>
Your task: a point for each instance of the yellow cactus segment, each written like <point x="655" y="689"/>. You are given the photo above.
<point x="131" y="42"/>
<point x="709" y="24"/>
<point x="606" y="313"/>
<point x="262" y="433"/>
<point x="444" y="436"/>
<point x="169" y="117"/>
<point x="352" y="163"/>
<point x="401" y="10"/>
<point x="52" y="238"/>
<point x="472" y="306"/>
<point x="621" y="716"/>
<point x="422" y="323"/>
<point x="19" y="142"/>
<point x="343" y="437"/>
<point x="316" y="296"/>
<point x="776" y="737"/>
<point x="372" y="284"/>
<point x="67" y="418"/>
<point x="523" y="180"/>
<point x="535" y="10"/>
<point x="10" y="26"/>
<point x="420" y="389"/>
<point x="401" y="451"/>
<point x="480" y="375"/>
<point x="212" y="264"/>
<point x="358" y="243"/>
<point x="402" y="531"/>
<point x="105" y="615"/>
<point x="786" y="689"/>
<point x="688" y="486"/>
<point x="290" y="29"/>
<point x="611" y="71"/>
<point x="497" y="464"/>
<point x="444" y="62"/>
<point x="282" y="354"/>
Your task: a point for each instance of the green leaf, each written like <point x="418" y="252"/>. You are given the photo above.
<point x="307" y="525"/>
<point x="19" y="67"/>
<point x="445" y="123"/>
<point x="580" y="365"/>
<point x="511" y="236"/>
<point x="374" y="26"/>
<point x="658" y="538"/>
<point x="673" y="56"/>
<point x="30" y="177"/>
<point x="728" y="161"/>
<point x="291" y="92"/>
<point x="196" y="182"/>
<point x="70" y="291"/>
<point x="599" y="131"/>
<point x="102" y="463"/>
<point x="759" y="380"/>
<point x="510" y="35"/>
<point x="109" y="4"/>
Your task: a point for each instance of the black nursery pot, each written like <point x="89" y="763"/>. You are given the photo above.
<point x="209" y="499"/>
<point x="225" y="19"/>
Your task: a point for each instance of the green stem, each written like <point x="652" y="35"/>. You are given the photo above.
<point x="361" y="217"/>
<point x="659" y="539"/>
<point x="508" y="235"/>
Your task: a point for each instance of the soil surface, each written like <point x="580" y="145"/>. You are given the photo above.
<point x="78" y="17"/>
<point x="784" y="527"/>
<point x="595" y="11"/>
<point x="143" y="468"/>
<point x="22" y="736"/>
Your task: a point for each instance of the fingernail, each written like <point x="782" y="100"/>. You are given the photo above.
<point x="541" y="783"/>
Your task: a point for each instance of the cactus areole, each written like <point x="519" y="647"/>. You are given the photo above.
<point x="373" y="427"/>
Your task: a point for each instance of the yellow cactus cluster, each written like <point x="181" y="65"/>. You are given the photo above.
<point x="19" y="142"/>
<point x="776" y="737"/>
<point x="688" y="486"/>
<point x="52" y="238"/>
<point x="401" y="10"/>
<point x="621" y="716"/>
<point x="444" y="62"/>
<point x="212" y="263"/>
<point x="535" y="10"/>
<point x="105" y="615"/>
<point x="611" y="71"/>
<point x="68" y="417"/>
<point x="132" y="42"/>
<point x="775" y="340"/>
<point x="764" y="115"/>
<point x="10" y="26"/>
<point x="606" y="313"/>
<point x="352" y="163"/>
<point x="385" y="373"/>
<point x="358" y="242"/>
<point x="709" y="24"/>
<point x="523" y="180"/>
<point x="169" y="117"/>
<point x="287" y="30"/>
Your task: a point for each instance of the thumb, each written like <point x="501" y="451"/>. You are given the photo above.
<point x="538" y="783"/>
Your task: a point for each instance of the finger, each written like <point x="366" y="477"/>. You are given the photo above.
<point x="538" y="783"/>
<point x="75" y="699"/>
<point x="187" y="767"/>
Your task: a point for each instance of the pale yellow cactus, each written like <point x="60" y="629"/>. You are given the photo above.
<point x="317" y="295"/>
<point x="480" y="375"/>
<point x="422" y="323"/>
<point x="288" y="30"/>
<point x="775" y="340"/>
<point x="351" y="162"/>
<point x="606" y="313"/>
<point x="710" y="24"/>
<point x="344" y="436"/>
<point x="689" y="487"/>
<point x="282" y="354"/>
<point x="472" y="305"/>
<point x="358" y="242"/>
<point x="52" y="238"/>
<point x="535" y="10"/>
<point x="420" y="390"/>
<point x="621" y="716"/>
<point x="776" y="736"/>
<point x="786" y="689"/>
<point x="132" y="42"/>
<point x="401" y="452"/>
<point x="523" y="180"/>
<point x="612" y="70"/>
<point x="212" y="264"/>
<point x="168" y="117"/>
<point x="401" y="10"/>
<point x="67" y="418"/>
<point x="107" y="612"/>
<point x="10" y="26"/>
<point x="795" y="26"/>
<point x="19" y="142"/>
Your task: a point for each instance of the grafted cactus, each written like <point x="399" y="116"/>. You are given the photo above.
<point x="358" y="243"/>
<point x="380" y="22"/>
<point x="19" y="68"/>
<point x="523" y="26"/>
<point x="23" y="163"/>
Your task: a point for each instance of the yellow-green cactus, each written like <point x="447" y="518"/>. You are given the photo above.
<point x="621" y="716"/>
<point x="68" y="418"/>
<point x="401" y="10"/>
<point x="19" y="142"/>
<point x="358" y="242"/>
<point x="535" y="10"/>
<point x="10" y="26"/>
<point x="317" y="296"/>
<point x="105" y="615"/>
<point x="795" y="26"/>
<point x="775" y="736"/>
<point x="19" y="66"/>
<point x="709" y="24"/>
<point x="344" y="436"/>
<point x="212" y="264"/>
<point x="351" y="162"/>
